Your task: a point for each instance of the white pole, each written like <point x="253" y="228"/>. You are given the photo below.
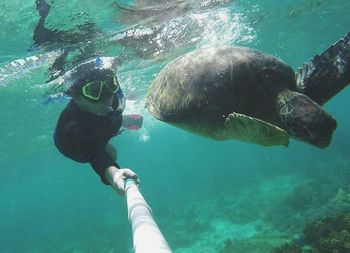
<point x="147" y="237"/>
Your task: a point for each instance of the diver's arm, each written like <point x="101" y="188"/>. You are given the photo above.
<point x="110" y="171"/>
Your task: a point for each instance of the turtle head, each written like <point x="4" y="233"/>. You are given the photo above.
<point x="304" y="119"/>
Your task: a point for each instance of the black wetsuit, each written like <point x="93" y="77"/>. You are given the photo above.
<point x="83" y="136"/>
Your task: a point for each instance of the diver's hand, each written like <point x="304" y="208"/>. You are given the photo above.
<point x="116" y="177"/>
<point x="120" y="176"/>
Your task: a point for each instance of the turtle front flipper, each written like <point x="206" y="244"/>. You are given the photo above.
<point x="245" y="128"/>
<point x="326" y="74"/>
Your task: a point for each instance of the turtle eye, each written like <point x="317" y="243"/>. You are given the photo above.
<point x="269" y="73"/>
<point x="263" y="75"/>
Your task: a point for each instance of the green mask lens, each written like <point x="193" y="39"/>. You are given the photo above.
<point x="112" y="84"/>
<point x="93" y="90"/>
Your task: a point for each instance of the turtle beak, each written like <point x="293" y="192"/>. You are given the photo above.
<point x="320" y="132"/>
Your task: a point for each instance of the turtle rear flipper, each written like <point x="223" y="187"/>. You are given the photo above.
<point x="245" y="128"/>
<point x="326" y="74"/>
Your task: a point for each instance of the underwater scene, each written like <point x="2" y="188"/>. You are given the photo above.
<point x="225" y="194"/>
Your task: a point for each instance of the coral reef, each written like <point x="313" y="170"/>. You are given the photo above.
<point x="256" y="244"/>
<point x="228" y="247"/>
<point x="308" y="201"/>
<point x="288" y="248"/>
<point x="306" y="195"/>
<point x="342" y="196"/>
<point x="330" y="235"/>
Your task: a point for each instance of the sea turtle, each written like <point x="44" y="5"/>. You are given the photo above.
<point x="240" y="93"/>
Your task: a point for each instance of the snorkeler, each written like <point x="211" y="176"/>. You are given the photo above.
<point x="93" y="117"/>
<point x="94" y="114"/>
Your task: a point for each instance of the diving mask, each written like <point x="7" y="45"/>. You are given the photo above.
<point x="96" y="90"/>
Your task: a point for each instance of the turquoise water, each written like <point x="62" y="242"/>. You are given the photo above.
<point x="206" y="196"/>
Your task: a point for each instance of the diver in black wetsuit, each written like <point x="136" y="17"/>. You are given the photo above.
<point x="94" y="115"/>
<point x="91" y="119"/>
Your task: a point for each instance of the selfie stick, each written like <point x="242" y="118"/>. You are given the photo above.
<point x="147" y="237"/>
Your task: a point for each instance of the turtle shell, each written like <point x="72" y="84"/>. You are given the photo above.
<point x="199" y="90"/>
